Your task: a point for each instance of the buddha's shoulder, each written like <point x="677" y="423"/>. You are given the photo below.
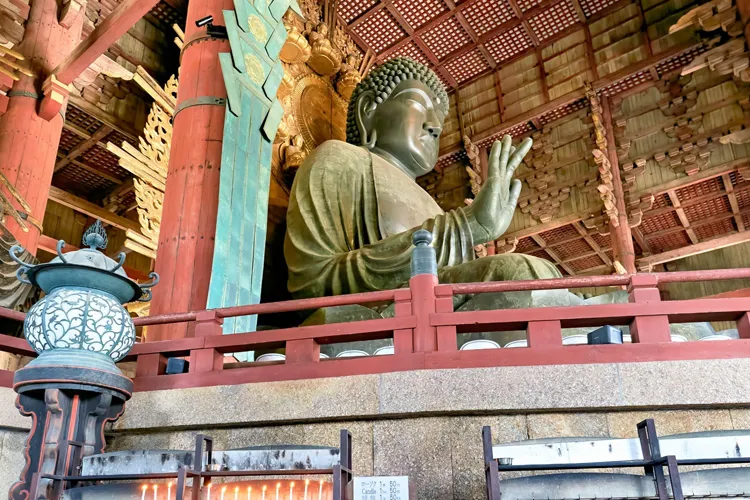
<point x="338" y="155"/>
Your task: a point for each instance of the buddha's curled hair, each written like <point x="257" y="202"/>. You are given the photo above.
<point x="383" y="80"/>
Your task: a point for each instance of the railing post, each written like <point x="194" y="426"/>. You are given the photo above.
<point x="207" y="360"/>
<point x="422" y="285"/>
<point x="544" y="334"/>
<point x="743" y="326"/>
<point x="446" y="335"/>
<point x="403" y="340"/>
<point x="642" y="289"/>
<point x="150" y="365"/>
<point x="302" y="351"/>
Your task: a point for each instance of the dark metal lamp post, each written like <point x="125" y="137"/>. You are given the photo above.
<point x="80" y="330"/>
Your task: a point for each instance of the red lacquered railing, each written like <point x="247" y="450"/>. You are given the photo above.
<point x="425" y="332"/>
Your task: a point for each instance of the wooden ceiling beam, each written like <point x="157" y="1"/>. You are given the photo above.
<point x="122" y="18"/>
<point x="681" y="215"/>
<point x="571" y="97"/>
<point x="553" y="255"/>
<point x="49" y="245"/>
<point x="89" y="143"/>
<point x="106" y="118"/>
<point x="92" y="210"/>
<point x="729" y="189"/>
<point x="592" y="243"/>
<point x="699" y="248"/>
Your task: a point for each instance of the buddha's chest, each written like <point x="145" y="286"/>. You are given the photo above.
<point x="402" y="203"/>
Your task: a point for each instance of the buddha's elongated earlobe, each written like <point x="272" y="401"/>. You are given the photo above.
<point x="363" y="117"/>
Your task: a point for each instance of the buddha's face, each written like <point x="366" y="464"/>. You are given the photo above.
<point x="406" y="125"/>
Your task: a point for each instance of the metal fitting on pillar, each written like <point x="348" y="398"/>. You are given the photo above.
<point x="423" y="256"/>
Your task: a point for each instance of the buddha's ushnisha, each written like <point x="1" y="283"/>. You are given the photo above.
<point x="355" y="205"/>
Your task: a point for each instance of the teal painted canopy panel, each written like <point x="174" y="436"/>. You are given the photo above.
<point x="252" y="74"/>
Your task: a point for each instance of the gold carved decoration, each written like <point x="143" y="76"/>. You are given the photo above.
<point x="254" y="69"/>
<point x="296" y="49"/>
<point x="319" y="112"/>
<point x="325" y="59"/>
<point x="257" y="28"/>
<point x="349" y="78"/>
<point x="148" y="163"/>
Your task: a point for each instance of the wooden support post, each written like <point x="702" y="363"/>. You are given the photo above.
<point x="302" y="351"/>
<point x="544" y="334"/>
<point x="447" y="339"/>
<point x="205" y="360"/>
<point x="28" y="143"/>
<point x="645" y="329"/>
<point x="188" y="226"/>
<point x="422" y="288"/>
<point x="622" y="238"/>
<point x="150" y="365"/>
<point x="403" y="340"/>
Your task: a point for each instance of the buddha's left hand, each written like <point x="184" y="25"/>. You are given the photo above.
<point x="492" y="210"/>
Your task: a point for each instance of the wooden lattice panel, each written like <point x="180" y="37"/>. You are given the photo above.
<point x="82" y="120"/>
<point x="380" y="30"/>
<point x="659" y="222"/>
<point x="746" y="219"/>
<point x="553" y="20"/>
<point x="669" y="241"/>
<point x="680" y="60"/>
<point x="590" y="7"/>
<point x="103" y="160"/>
<point x="626" y="83"/>
<point x="69" y="141"/>
<point x="571" y="249"/>
<point x="484" y="15"/>
<point x="602" y="240"/>
<point x="449" y="160"/>
<point x="708" y="208"/>
<point x="736" y="178"/>
<point x="508" y="44"/>
<point x="700" y="189"/>
<point x="350" y="9"/>
<point x="446" y="37"/>
<point x="525" y="5"/>
<point x="661" y="201"/>
<point x="526" y="245"/>
<point x="78" y="180"/>
<point x="467" y="66"/>
<point x="117" y="139"/>
<point x="412" y="51"/>
<point x="586" y="263"/>
<point x="559" y="234"/>
<point x="718" y="228"/>
<point x="743" y="198"/>
<point x="562" y="112"/>
<point x="166" y="15"/>
<point x="417" y="14"/>
<point x="540" y="254"/>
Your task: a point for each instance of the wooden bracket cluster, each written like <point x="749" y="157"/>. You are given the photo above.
<point x="55" y="93"/>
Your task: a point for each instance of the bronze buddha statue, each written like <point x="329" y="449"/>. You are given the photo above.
<point x="354" y="205"/>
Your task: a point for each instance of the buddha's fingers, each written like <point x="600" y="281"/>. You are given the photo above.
<point x="504" y="154"/>
<point x="517" y="158"/>
<point x="515" y="193"/>
<point x="493" y="165"/>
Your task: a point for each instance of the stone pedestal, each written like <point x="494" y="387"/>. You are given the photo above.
<point x="68" y="416"/>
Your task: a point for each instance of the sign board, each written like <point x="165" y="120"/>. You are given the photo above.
<point x="381" y="488"/>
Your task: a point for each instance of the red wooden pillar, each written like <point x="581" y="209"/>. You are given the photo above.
<point x="186" y="239"/>
<point x="621" y="236"/>
<point x="645" y="329"/>
<point x="28" y="143"/>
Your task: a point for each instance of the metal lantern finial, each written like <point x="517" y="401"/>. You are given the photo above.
<point x="95" y="236"/>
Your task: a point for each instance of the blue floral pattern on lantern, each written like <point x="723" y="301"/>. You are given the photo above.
<point x="70" y="318"/>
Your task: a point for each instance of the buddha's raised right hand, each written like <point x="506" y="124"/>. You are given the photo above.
<point x="492" y="210"/>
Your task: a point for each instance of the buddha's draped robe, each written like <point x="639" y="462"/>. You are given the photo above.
<point x="350" y="222"/>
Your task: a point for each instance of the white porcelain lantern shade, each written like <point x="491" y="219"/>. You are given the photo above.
<point x="85" y="319"/>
